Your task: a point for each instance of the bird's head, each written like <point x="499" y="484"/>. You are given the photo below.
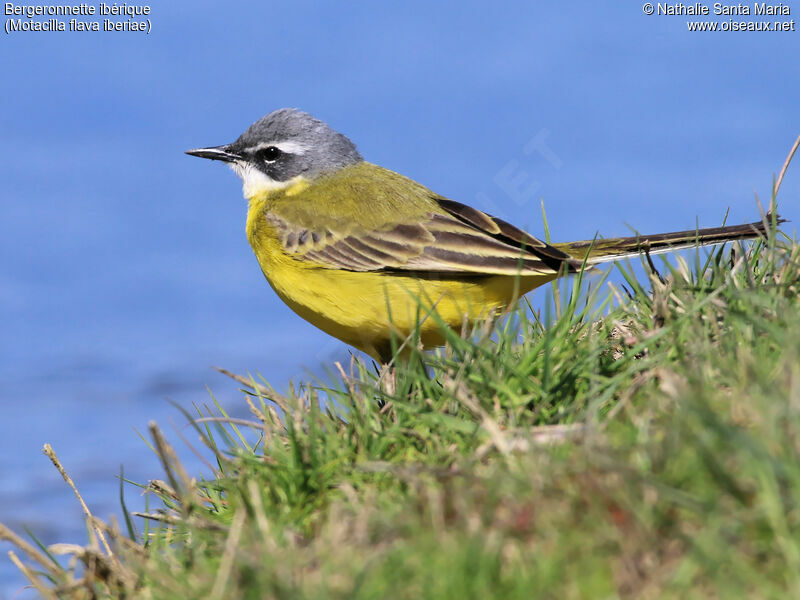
<point x="283" y="148"/>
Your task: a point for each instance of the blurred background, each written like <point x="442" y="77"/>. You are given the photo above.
<point x="125" y="271"/>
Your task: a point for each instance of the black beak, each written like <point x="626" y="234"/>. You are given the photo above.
<point x="222" y="153"/>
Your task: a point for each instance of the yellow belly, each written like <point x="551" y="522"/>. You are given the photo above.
<point x="366" y="309"/>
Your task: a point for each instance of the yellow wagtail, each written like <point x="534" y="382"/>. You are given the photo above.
<point x="355" y="248"/>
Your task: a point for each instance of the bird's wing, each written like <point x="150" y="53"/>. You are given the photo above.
<point x="450" y="238"/>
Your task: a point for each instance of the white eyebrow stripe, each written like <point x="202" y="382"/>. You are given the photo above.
<point x="288" y="146"/>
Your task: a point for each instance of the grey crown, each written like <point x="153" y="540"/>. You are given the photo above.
<point x="326" y="150"/>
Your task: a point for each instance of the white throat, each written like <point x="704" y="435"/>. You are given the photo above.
<point x="256" y="182"/>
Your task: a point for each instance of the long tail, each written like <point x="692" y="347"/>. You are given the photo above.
<point x="611" y="249"/>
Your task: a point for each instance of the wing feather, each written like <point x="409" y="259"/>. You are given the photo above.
<point x="457" y="239"/>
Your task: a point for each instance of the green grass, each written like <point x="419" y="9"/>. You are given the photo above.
<point x="640" y="442"/>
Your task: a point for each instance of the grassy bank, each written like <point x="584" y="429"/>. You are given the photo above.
<point x="653" y="452"/>
<point x="638" y="441"/>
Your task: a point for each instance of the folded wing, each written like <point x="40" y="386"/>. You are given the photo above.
<point x="455" y="239"/>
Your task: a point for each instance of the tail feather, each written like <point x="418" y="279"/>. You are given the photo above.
<point x="611" y="249"/>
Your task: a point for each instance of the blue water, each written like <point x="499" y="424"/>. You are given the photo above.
<point x="124" y="271"/>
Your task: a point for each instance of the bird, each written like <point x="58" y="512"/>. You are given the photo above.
<point x="370" y="256"/>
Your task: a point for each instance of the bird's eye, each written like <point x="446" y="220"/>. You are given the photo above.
<point x="270" y="153"/>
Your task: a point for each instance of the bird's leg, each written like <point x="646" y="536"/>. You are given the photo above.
<point x="388" y="379"/>
<point x="387" y="375"/>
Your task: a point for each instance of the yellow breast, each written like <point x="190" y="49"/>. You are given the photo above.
<point x="365" y="309"/>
